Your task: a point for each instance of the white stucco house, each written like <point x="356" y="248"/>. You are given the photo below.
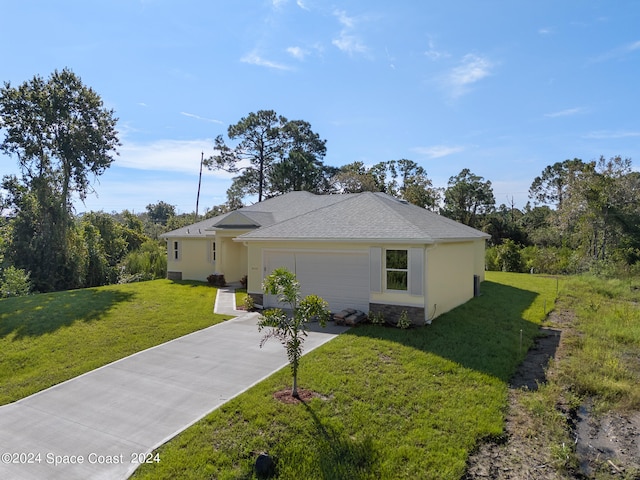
<point x="367" y="251"/>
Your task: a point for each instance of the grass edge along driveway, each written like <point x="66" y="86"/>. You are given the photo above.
<point x="48" y="338"/>
<point x="393" y="403"/>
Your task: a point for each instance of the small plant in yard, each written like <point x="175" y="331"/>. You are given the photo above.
<point x="376" y="318"/>
<point x="217" y="280"/>
<point x="403" y="321"/>
<point x="290" y="329"/>
<point x="248" y="303"/>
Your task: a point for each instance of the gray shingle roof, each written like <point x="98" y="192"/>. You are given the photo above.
<point x="267" y="212"/>
<point x="367" y="216"/>
<point x="351" y="217"/>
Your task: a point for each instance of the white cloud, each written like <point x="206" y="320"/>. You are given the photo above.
<point x="348" y="41"/>
<point x="198" y="117"/>
<point x="164" y="155"/>
<point x="297" y="52"/>
<point x="472" y="69"/>
<point x="606" y="134"/>
<point x="438" y="151"/>
<point x="170" y="156"/>
<point x="433" y="53"/>
<point x="566" y="113"/>
<point x="545" y="31"/>
<point x="633" y="46"/>
<point x="344" y="19"/>
<point x="618" y="52"/>
<point x="253" y="58"/>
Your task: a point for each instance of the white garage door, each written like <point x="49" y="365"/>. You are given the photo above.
<point x="342" y="278"/>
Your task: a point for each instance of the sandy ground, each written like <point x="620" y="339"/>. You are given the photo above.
<point x="606" y="446"/>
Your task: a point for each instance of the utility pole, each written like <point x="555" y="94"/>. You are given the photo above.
<point x="199" y="183"/>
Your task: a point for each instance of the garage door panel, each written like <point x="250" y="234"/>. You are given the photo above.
<point x="342" y="279"/>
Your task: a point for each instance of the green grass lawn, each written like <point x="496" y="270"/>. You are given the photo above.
<point x="48" y="338"/>
<point x="604" y="341"/>
<point x="395" y="403"/>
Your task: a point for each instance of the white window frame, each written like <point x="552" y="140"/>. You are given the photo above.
<point x="176" y="250"/>
<point x="388" y="269"/>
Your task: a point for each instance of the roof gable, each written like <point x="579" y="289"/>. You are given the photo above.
<point x="241" y="220"/>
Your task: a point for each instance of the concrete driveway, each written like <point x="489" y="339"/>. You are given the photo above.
<point x="100" y="425"/>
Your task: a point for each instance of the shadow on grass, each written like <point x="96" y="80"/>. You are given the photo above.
<point x="483" y="334"/>
<point x="40" y="314"/>
<point x="340" y="456"/>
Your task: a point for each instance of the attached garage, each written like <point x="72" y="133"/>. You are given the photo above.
<point x="339" y="277"/>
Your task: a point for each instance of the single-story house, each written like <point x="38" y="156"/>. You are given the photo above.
<point x="367" y="251"/>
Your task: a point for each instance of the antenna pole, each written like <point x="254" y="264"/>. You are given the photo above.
<point x="199" y="183"/>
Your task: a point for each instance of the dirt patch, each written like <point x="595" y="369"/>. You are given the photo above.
<point x="519" y="454"/>
<point x="610" y="443"/>
<point x="533" y="369"/>
<point x="606" y="446"/>
<point x="304" y="395"/>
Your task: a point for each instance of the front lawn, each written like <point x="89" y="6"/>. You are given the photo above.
<point x="49" y="338"/>
<point x="394" y="403"/>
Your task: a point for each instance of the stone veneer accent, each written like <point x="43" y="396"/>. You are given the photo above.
<point x="257" y="298"/>
<point x="174" y="275"/>
<point x="392" y="312"/>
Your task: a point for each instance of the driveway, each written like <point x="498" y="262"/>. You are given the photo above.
<point x="100" y="425"/>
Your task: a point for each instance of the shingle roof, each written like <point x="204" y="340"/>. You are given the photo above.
<point x="351" y="217"/>
<point x="367" y="216"/>
<point x="267" y="212"/>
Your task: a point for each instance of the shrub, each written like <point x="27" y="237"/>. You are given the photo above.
<point x="248" y="303"/>
<point x="403" y="321"/>
<point x="376" y="318"/>
<point x="509" y="258"/>
<point x="149" y="262"/>
<point x="217" y="280"/>
<point x="15" y="282"/>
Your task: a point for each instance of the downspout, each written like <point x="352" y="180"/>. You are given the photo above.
<point x="427" y="318"/>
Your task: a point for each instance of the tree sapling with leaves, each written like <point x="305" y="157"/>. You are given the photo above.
<point x="290" y="327"/>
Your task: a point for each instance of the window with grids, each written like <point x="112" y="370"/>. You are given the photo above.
<point x="397" y="269"/>
<point x="176" y="250"/>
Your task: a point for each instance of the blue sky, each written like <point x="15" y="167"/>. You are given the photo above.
<point x="503" y="88"/>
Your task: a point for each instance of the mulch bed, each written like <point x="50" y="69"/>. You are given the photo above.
<point x="304" y="395"/>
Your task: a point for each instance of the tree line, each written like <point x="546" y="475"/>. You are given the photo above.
<point x="581" y="215"/>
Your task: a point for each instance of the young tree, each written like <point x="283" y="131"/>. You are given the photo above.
<point x="290" y="329"/>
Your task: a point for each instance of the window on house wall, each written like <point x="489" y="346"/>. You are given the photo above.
<point x="176" y="250"/>
<point x="397" y="269"/>
<point x="213" y="251"/>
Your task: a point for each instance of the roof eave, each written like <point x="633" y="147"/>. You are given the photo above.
<point x="404" y="241"/>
